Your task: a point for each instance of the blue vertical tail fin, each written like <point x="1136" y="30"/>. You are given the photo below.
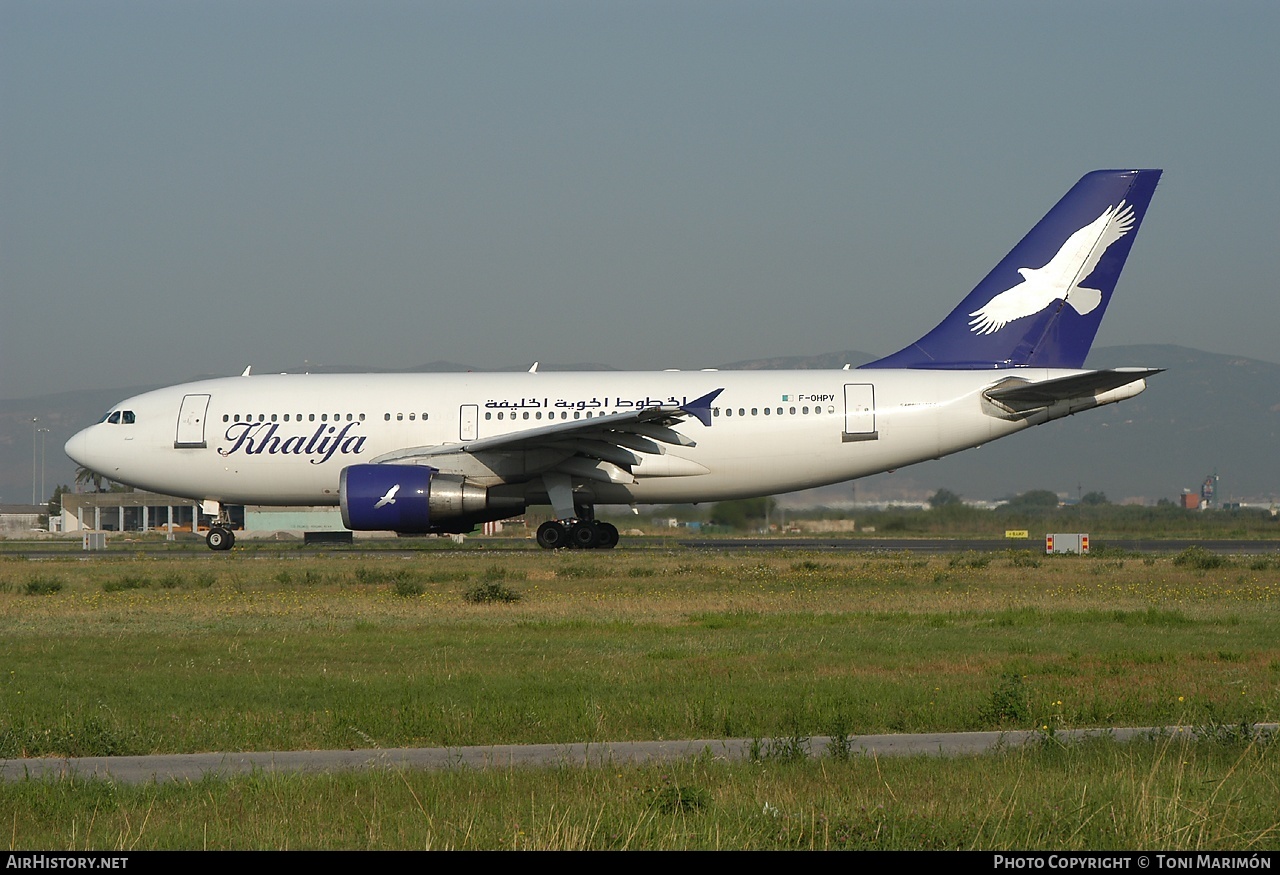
<point x="1041" y="305"/>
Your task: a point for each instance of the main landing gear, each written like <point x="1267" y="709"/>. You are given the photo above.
<point x="576" y="525"/>
<point x="580" y="534"/>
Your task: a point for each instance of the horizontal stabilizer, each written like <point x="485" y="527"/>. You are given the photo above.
<point x="1019" y="396"/>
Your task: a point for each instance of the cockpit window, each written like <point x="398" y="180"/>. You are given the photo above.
<point x="116" y="417"/>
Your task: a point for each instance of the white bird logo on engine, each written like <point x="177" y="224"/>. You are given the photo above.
<point x="1059" y="279"/>
<point x="389" y="498"/>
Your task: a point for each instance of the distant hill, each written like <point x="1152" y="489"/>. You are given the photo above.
<point x="1207" y="413"/>
<point x="830" y="360"/>
<point x="436" y="367"/>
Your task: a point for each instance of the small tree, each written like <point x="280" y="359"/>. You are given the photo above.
<point x="55" y="502"/>
<point x="1094" y="498"/>
<point x="89" y="480"/>
<point x="944" y="498"/>
<point x="1037" y="498"/>
<point x="745" y="513"/>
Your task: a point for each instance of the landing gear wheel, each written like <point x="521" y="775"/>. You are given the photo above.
<point x="552" y="535"/>
<point x="608" y="536"/>
<point x="220" y="538"/>
<point x="584" y="535"/>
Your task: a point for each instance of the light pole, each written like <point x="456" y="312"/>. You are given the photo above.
<point x="43" y="432"/>
<point x="34" y="431"/>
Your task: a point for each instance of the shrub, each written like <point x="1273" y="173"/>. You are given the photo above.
<point x="1023" y="559"/>
<point x="969" y="559"/>
<point x="840" y="741"/>
<point x="1009" y="702"/>
<point x="375" y="576"/>
<point x="791" y="748"/>
<point x="491" y="591"/>
<point x="1196" y="556"/>
<point x="407" y="587"/>
<point x="574" y="572"/>
<point x="501" y="572"/>
<point x="129" y="581"/>
<point x="678" y="800"/>
<point x="43" y="585"/>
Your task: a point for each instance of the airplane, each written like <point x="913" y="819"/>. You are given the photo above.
<point x="442" y="453"/>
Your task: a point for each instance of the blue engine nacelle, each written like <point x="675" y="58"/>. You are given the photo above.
<point x="406" y="498"/>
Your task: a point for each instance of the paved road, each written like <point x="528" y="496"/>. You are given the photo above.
<point x="193" y="767"/>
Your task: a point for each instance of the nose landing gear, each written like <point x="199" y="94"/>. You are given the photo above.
<point x="220" y="538"/>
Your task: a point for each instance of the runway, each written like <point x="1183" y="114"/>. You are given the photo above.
<point x="961" y="545"/>
<point x="831" y="544"/>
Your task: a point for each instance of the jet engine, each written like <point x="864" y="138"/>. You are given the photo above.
<point x="409" y="498"/>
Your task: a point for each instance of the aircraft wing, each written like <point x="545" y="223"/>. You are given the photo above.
<point x="1020" y="396"/>
<point x="616" y="440"/>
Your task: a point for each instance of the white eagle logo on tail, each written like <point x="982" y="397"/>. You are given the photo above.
<point x="1058" y="279"/>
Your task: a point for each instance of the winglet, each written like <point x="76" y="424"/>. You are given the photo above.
<point x="1041" y="305"/>
<point x="701" y="407"/>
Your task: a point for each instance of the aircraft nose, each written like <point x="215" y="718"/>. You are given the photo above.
<point x="77" y="448"/>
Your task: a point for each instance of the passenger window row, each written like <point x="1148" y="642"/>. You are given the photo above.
<point x="770" y="411"/>
<point x="286" y="417"/>
<point x="564" y="414"/>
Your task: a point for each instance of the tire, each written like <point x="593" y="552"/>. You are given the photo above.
<point x="608" y="536"/>
<point x="552" y="535"/>
<point x="220" y="539"/>
<point x="584" y="535"/>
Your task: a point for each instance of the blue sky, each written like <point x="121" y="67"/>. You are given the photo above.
<point x="190" y="188"/>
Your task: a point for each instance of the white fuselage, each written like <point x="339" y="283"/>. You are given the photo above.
<point x="283" y="439"/>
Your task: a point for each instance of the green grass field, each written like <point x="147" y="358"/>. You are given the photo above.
<point x="266" y="650"/>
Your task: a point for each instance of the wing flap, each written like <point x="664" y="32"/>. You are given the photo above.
<point x="598" y="449"/>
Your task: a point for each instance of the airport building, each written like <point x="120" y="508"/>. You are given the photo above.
<point x="17" y="520"/>
<point x="153" y="512"/>
<point x="128" y="512"/>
